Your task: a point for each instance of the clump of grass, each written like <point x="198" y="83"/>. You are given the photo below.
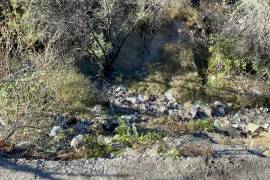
<point x="201" y="125"/>
<point x="130" y="136"/>
<point x="173" y="153"/>
<point x="95" y="148"/>
<point x="70" y="90"/>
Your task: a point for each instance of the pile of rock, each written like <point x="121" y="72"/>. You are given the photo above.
<point x="128" y="102"/>
<point x="136" y="108"/>
<point x="245" y="121"/>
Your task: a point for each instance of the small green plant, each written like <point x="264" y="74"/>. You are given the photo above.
<point x="173" y="153"/>
<point x="95" y="148"/>
<point x="170" y="152"/>
<point x="129" y="136"/>
<point x="201" y="125"/>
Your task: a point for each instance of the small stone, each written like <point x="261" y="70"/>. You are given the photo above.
<point x="221" y="123"/>
<point x="174" y="105"/>
<point x="107" y="140"/>
<point x="168" y="95"/>
<point x="142" y="107"/>
<point x="70" y="121"/>
<point x="109" y="124"/>
<point x="231" y="131"/>
<point x="120" y="88"/>
<point x="188" y="105"/>
<point x="82" y="127"/>
<point x="2" y="124"/>
<point x="162" y="109"/>
<point x="117" y="102"/>
<point x="77" y="141"/>
<point x="25" y="145"/>
<point x="131" y="100"/>
<point x="55" y="131"/>
<point x="266" y="126"/>
<point x="256" y="92"/>
<point x="170" y="112"/>
<point x="218" y="109"/>
<point x="236" y="126"/>
<point x="218" y="103"/>
<point x="267" y="153"/>
<point x="207" y="110"/>
<point x="253" y="128"/>
<point x="97" y="109"/>
<point x="139" y="99"/>
<point x="128" y="102"/>
<point x="197" y="113"/>
<point x="264" y="110"/>
<point x="152" y="98"/>
<point x="217" y="124"/>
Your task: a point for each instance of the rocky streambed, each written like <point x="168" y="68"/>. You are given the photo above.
<point x="134" y="126"/>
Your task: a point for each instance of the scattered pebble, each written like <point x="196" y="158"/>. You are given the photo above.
<point x="55" y="131"/>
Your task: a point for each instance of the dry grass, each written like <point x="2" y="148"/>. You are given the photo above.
<point x="262" y="141"/>
<point x="169" y="125"/>
<point x="192" y="150"/>
<point x="179" y="9"/>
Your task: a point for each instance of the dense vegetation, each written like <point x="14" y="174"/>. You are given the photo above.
<point x="226" y="54"/>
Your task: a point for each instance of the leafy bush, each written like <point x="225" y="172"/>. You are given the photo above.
<point x="30" y="99"/>
<point x="249" y="25"/>
<point x="223" y="62"/>
<point x="70" y="90"/>
<point x="94" y="148"/>
<point x="98" y="28"/>
<point x="24" y="104"/>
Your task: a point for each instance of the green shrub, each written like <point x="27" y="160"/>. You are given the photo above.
<point x="24" y="103"/>
<point x="70" y="90"/>
<point x="173" y="153"/>
<point x="30" y="99"/>
<point x="17" y="25"/>
<point x="223" y="62"/>
<point x="96" y="149"/>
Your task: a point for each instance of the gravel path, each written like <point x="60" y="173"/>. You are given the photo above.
<point x="250" y="167"/>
